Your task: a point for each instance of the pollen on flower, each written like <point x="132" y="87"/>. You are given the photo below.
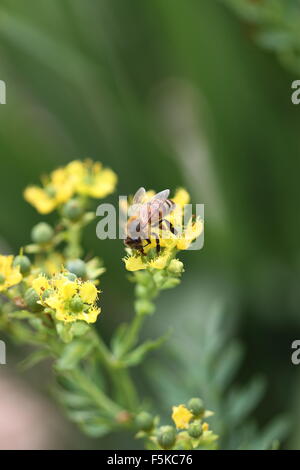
<point x="9" y="275"/>
<point x="40" y="284"/>
<point x="181" y="416"/>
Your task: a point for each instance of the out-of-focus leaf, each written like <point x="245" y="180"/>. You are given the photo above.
<point x="241" y="402"/>
<point x="228" y="365"/>
<point x="34" y="358"/>
<point x="73" y="353"/>
<point x="137" y="355"/>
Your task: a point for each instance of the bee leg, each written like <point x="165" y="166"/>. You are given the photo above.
<point x="157" y="245"/>
<point x="170" y="226"/>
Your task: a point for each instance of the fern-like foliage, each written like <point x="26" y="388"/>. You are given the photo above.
<point x="275" y="26"/>
<point x="208" y="368"/>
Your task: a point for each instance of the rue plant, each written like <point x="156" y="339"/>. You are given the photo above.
<point x="50" y="298"/>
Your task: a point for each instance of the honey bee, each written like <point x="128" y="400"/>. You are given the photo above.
<point x="145" y="216"/>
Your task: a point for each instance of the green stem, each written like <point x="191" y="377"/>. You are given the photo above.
<point x="73" y="249"/>
<point x="123" y="385"/>
<point x="102" y="400"/>
<point x="132" y="333"/>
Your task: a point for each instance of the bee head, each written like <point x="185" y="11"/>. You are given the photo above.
<point x="129" y="241"/>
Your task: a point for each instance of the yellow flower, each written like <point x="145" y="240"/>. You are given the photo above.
<point x="88" y="292"/>
<point x="40" y="284"/>
<point x="96" y="181"/>
<point x="58" y="188"/>
<point x="205" y="426"/>
<point x="85" y="178"/>
<point x="67" y="289"/>
<point x="52" y="264"/>
<point x="160" y="261"/>
<point x="137" y="262"/>
<point x="181" y="197"/>
<point x="134" y="263"/>
<point x="181" y="416"/>
<point x="192" y="231"/>
<point x="70" y="300"/>
<point x="9" y="275"/>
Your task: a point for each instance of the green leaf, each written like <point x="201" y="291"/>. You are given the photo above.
<point x="95" y="429"/>
<point x="228" y="365"/>
<point x="242" y="401"/>
<point x="64" y="332"/>
<point x="273" y="433"/>
<point x="34" y="358"/>
<point x="136" y="356"/>
<point x="72" y="400"/>
<point x="118" y="338"/>
<point x="73" y="353"/>
<point x="79" y="328"/>
<point x="20" y="315"/>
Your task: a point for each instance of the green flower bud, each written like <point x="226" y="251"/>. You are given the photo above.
<point x="195" y="429"/>
<point x="144" y="307"/>
<point x="2" y="279"/>
<point x="144" y="421"/>
<point x="46" y="294"/>
<point x="23" y="262"/>
<point x="195" y="405"/>
<point x="159" y="277"/>
<point x="76" y="304"/>
<point x="175" y="266"/>
<point x="166" y="437"/>
<point x="31" y="298"/>
<point x="77" y="267"/>
<point x="72" y="210"/>
<point x="170" y="283"/>
<point x="42" y="233"/>
<point x="141" y="291"/>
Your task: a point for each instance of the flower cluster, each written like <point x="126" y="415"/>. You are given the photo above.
<point x="170" y="243"/>
<point x="10" y="274"/>
<point x="83" y="178"/>
<point x="68" y="297"/>
<point x="191" y="431"/>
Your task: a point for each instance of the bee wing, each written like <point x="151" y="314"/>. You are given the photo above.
<point x="161" y="196"/>
<point x="139" y="196"/>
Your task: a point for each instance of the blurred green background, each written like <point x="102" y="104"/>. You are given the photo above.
<point x="170" y="93"/>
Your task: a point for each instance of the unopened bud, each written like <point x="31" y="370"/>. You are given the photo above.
<point x="195" y="405"/>
<point x="31" y="298"/>
<point x="72" y="210"/>
<point x="144" y="307"/>
<point x="42" y="233"/>
<point x="171" y="282"/>
<point x="76" y="304"/>
<point x="166" y="437"/>
<point x="77" y="267"/>
<point x="141" y="291"/>
<point x="175" y="266"/>
<point x="23" y="262"/>
<point x="144" y="421"/>
<point x="195" y="429"/>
